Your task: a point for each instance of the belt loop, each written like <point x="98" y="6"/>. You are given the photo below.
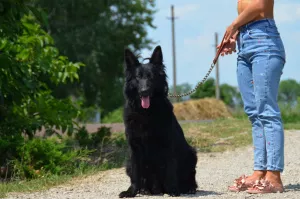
<point x="269" y="22"/>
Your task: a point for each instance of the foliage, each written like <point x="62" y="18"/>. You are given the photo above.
<point x="228" y="93"/>
<point x="41" y="157"/>
<point x="88" y="114"/>
<point x="96" y="32"/>
<point x="94" y="140"/>
<point x="207" y="89"/>
<point x="289" y="90"/>
<point x="290" y="112"/>
<point x="181" y="88"/>
<point x="115" y="116"/>
<point x="29" y="60"/>
<point x="289" y="100"/>
<point x="27" y="100"/>
<point x="38" y="157"/>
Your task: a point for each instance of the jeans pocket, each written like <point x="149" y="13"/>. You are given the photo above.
<point x="258" y="33"/>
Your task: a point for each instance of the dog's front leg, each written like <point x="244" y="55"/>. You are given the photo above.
<point x="171" y="181"/>
<point x="135" y="178"/>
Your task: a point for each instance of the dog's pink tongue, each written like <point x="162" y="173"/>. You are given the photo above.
<point x="145" y="102"/>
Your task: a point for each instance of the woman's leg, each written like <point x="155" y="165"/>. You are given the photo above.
<point x="246" y="86"/>
<point x="267" y="69"/>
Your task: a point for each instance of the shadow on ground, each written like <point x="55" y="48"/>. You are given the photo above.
<point x="197" y="194"/>
<point x="202" y="193"/>
<point x="292" y="187"/>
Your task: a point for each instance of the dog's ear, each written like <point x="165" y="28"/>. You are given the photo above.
<point x="130" y="59"/>
<point x="157" y="57"/>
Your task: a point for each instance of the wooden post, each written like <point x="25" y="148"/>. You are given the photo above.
<point x="174" y="49"/>
<point x="217" y="69"/>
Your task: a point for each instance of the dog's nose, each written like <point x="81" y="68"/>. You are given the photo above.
<point x="144" y="92"/>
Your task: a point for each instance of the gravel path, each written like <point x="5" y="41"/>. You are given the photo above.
<point x="214" y="173"/>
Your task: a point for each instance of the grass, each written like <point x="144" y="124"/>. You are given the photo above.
<point x="108" y="156"/>
<point x="292" y="126"/>
<point x="217" y="136"/>
<point x="33" y="185"/>
<point x="223" y="134"/>
<point x="50" y="181"/>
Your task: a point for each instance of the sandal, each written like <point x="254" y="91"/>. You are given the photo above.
<point x="264" y="186"/>
<point x="240" y="184"/>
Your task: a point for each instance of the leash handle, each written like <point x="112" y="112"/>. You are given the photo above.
<point x="222" y="46"/>
<point x="220" y="49"/>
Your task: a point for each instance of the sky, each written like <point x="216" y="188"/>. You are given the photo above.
<point x="195" y="27"/>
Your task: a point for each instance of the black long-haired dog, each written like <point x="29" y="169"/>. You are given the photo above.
<point x="161" y="161"/>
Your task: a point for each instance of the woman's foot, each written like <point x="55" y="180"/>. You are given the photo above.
<point x="270" y="184"/>
<point x="244" y="182"/>
<point x="257" y="175"/>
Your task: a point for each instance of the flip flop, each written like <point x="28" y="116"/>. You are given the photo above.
<point x="240" y="184"/>
<point x="263" y="187"/>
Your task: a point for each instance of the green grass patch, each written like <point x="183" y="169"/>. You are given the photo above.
<point x="33" y="185"/>
<point x="52" y="161"/>
<point x="292" y="126"/>
<point x="115" y="116"/>
<point x="50" y="181"/>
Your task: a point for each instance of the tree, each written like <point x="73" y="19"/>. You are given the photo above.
<point x="181" y="88"/>
<point x="27" y="55"/>
<point x="230" y="95"/>
<point x="289" y="90"/>
<point x="95" y="33"/>
<point x="207" y="89"/>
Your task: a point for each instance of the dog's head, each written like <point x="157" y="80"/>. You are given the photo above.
<point x="145" y="81"/>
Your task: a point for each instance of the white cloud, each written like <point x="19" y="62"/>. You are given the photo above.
<point x="185" y="10"/>
<point x="287" y="12"/>
<point x="181" y="11"/>
<point x="203" y="40"/>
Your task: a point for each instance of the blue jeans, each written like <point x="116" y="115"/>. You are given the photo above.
<point x="260" y="61"/>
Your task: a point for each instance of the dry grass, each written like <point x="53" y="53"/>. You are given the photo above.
<point x="202" y="109"/>
<point x="219" y="135"/>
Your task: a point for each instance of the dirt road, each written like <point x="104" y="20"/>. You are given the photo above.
<point x="214" y="173"/>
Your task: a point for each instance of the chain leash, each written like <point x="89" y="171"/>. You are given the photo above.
<point x="207" y="74"/>
<point x="199" y="84"/>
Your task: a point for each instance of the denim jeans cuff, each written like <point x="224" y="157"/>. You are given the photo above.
<point x="272" y="168"/>
<point x="259" y="168"/>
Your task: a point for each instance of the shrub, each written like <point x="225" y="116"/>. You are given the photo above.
<point x="290" y="112"/>
<point x="39" y="157"/>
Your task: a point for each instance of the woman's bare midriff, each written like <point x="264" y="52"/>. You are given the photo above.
<point x="267" y="13"/>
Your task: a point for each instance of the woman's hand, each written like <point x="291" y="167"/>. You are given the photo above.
<point x="229" y="47"/>
<point x="230" y="31"/>
<point x="229" y="40"/>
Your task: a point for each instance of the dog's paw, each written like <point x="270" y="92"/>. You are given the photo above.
<point x="174" y="192"/>
<point x="127" y="194"/>
<point x="192" y="191"/>
<point x="156" y="191"/>
<point x="145" y="192"/>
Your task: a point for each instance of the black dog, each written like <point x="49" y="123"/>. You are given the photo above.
<point x="161" y="161"/>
